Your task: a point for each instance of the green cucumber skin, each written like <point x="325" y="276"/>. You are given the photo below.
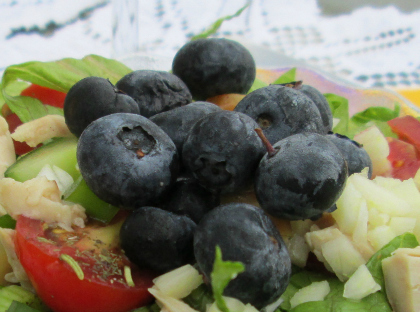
<point x="95" y="207"/>
<point x="62" y="153"/>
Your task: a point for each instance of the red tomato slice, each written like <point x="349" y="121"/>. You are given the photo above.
<point x="103" y="288"/>
<point x="408" y="129"/>
<point x="45" y="95"/>
<point x="403" y="158"/>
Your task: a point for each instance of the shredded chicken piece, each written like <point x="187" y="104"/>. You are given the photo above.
<point x="18" y="274"/>
<point x="7" y="150"/>
<point x="42" y="129"/>
<point x="40" y="199"/>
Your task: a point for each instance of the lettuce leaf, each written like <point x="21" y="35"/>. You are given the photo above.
<point x="223" y="272"/>
<point x="199" y="299"/>
<point x="376" y="302"/>
<point x="20" y="307"/>
<point x="59" y="75"/>
<point x="407" y="240"/>
<point x="287" y="77"/>
<point x="350" y="126"/>
<point x="257" y="85"/>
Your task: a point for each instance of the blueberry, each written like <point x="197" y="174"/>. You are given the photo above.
<point x="127" y="160"/>
<point x="157" y="239"/>
<point x="214" y="66"/>
<point x="281" y="111"/>
<point x="222" y="151"/>
<point x="92" y="98"/>
<point x="178" y="122"/>
<point x="244" y="233"/>
<point x="302" y="178"/>
<point x="321" y="102"/>
<point x="356" y="156"/>
<point x="155" y="91"/>
<point x="189" y="198"/>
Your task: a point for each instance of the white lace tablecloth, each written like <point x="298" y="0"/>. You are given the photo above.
<point x="368" y="44"/>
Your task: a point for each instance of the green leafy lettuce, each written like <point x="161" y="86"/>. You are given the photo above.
<point x="335" y="302"/>
<point x="223" y="272"/>
<point x="59" y="75"/>
<point x="350" y="126"/>
<point x="286" y="77"/>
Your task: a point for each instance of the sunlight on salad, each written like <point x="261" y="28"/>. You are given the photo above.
<point x="192" y="190"/>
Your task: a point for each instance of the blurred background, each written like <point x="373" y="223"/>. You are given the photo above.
<point x="372" y="43"/>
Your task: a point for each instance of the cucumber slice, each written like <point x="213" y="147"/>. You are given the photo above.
<point x="12" y="293"/>
<point x="81" y="194"/>
<point x="62" y="153"/>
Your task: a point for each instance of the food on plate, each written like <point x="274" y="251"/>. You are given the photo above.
<point x="154" y="91"/>
<point x="7" y="153"/>
<point x="214" y="151"/>
<point x="157" y="239"/>
<point x="244" y="233"/>
<point x="41" y="130"/>
<point x="127" y="160"/>
<point x="215" y="66"/>
<point x="46" y="96"/>
<point x="186" y="211"/>
<point x="177" y="122"/>
<point x="402" y="285"/>
<point x="321" y="102"/>
<point x="92" y="98"/>
<point x="281" y="111"/>
<point x="82" y="269"/>
<point x="302" y="177"/>
<point x="355" y="155"/>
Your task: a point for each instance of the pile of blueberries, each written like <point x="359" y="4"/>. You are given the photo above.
<point x="152" y="144"/>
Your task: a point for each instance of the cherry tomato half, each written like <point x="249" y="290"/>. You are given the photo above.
<point x="103" y="286"/>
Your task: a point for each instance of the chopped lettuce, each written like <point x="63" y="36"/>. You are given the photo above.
<point x="150" y="308"/>
<point x="223" y="272"/>
<point x="376" y="302"/>
<point x="287" y="77"/>
<point x="350" y="126"/>
<point x="199" y="298"/>
<point x="7" y="222"/>
<point x="59" y="75"/>
<point x="257" y="85"/>
<point x="20" y="307"/>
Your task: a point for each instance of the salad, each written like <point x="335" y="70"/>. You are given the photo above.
<point x="62" y="243"/>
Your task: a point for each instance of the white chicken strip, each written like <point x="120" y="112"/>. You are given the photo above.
<point x="40" y="199"/>
<point x="7" y="150"/>
<point x="42" y="129"/>
<point x="18" y="274"/>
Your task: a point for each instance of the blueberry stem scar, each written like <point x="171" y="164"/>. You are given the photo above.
<point x="140" y="153"/>
<point x="270" y="149"/>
